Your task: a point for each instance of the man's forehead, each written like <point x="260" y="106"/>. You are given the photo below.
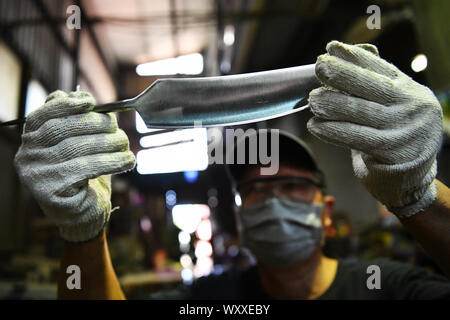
<point x="254" y="172"/>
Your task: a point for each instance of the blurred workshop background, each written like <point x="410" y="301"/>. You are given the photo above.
<point x="175" y="221"/>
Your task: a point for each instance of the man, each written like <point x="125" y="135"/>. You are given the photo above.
<point x="392" y="124"/>
<point x="282" y="220"/>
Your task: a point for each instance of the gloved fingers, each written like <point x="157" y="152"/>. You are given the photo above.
<point x="72" y="198"/>
<point x="80" y="146"/>
<point x="344" y="134"/>
<point x="363" y="57"/>
<point x="377" y="143"/>
<point x="57" y="105"/>
<point x="56" y="130"/>
<point x="96" y="165"/>
<point x="333" y="105"/>
<point x="369" y="47"/>
<point x="356" y="81"/>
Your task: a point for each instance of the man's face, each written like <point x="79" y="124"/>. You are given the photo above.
<point x="300" y="188"/>
<point x="294" y="233"/>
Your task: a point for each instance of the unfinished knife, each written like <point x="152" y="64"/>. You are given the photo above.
<point x="178" y="103"/>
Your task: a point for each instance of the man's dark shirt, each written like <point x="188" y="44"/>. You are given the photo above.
<point x="398" y="281"/>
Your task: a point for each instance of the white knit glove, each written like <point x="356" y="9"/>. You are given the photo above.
<point x="392" y="124"/>
<point x="66" y="158"/>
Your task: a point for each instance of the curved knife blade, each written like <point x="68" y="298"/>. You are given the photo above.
<point x="219" y="101"/>
<point x="225" y="100"/>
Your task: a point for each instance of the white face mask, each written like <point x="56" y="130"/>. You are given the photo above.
<point x="280" y="231"/>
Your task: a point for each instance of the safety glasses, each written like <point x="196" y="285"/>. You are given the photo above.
<point x="294" y="188"/>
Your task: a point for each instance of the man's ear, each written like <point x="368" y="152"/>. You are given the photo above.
<point x="327" y="212"/>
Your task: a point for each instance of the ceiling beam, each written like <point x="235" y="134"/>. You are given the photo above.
<point x="110" y="67"/>
<point x="174" y="27"/>
<point x="53" y="26"/>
